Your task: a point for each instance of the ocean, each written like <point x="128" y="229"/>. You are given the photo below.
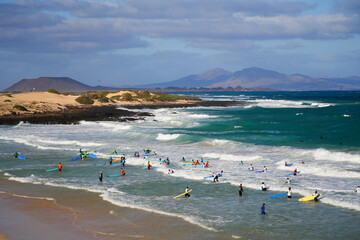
<point x="318" y="132"/>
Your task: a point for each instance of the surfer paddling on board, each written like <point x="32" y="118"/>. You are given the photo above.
<point x="357" y="190"/>
<point x="263" y="186"/>
<point x="316" y="196"/>
<point x="187" y="192"/>
<point x="295" y="172"/>
<point x="100" y="176"/>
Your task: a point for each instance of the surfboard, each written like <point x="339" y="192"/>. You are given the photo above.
<point x="181" y="194"/>
<point x="76" y="158"/>
<point x="280" y="183"/>
<point x="98" y="164"/>
<point x="118" y="164"/>
<point x="53" y="169"/>
<point x="199" y="166"/>
<point x="308" y="198"/>
<point x="289" y="165"/>
<point x="249" y="170"/>
<point x="279" y="195"/>
<point x="92" y="155"/>
<point x="21" y="157"/>
<point x="208" y="177"/>
<point x="292" y="173"/>
<point x="187" y="164"/>
<point x="119" y="159"/>
<point x="115" y="175"/>
<point x="259" y="171"/>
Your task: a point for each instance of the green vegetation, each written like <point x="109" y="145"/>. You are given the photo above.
<point x="9" y="95"/>
<point x="84" y="100"/>
<point x="53" y="91"/>
<point x="7" y="100"/>
<point x="19" y="107"/>
<point x="138" y="95"/>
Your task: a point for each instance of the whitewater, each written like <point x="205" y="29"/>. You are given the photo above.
<point x="318" y="132"/>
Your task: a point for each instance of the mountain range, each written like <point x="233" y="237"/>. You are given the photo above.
<point x="246" y="79"/>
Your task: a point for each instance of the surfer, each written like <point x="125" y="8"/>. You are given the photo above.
<point x="148" y="165"/>
<point x="287" y="181"/>
<point x="241" y="162"/>
<point x="183" y="159"/>
<point x="316" y="196"/>
<point x="289" y="193"/>
<point x="187" y="192"/>
<point x="100" y="176"/>
<point x="114" y="152"/>
<point x="357" y="190"/>
<point x="59" y="167"/>
<point x="251" y="168"/>
<point x="263" y="186"/>
<point x="240" y="189"/>
<point x="123" y="161"/>
<point x="286" y="164"/>
<point x="122" y="172"/>
<point x="265" y="169"/>
<point x="216" y="178"/>
<point x="295" y="172"/>
<point x="263" y="209"/>
<point x="207" y="164"/>
<point x="170" y="171"/>
<point x="16" y="154"/>
<point x="110" y="160"/>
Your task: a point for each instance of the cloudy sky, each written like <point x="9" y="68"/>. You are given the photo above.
<point x="120" y="42"/>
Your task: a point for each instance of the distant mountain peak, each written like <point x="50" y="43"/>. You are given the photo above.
<point x="212" y="74"/>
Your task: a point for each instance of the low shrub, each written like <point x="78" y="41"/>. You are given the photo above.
<point x="19" y="107"/>
<point x="84" y="100"/>
<point x="53" y="91"/>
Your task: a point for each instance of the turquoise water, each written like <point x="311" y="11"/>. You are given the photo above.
<point x="320" y="128"/>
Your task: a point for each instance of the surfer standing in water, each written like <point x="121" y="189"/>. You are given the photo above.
<point x="16" y="154"/>
<point x="357" y="190"/>
<point x="263" y="209"/>
<point x="100" y="176"/>
<point x="187" y="192"/>
<point x="289" y="193"/>
<point x="59" y="167"/>
<point x="240" y="189"/>
<point x="316" y="196"/>
<point x="263" y="186"/>
<point x="295" y="172"/>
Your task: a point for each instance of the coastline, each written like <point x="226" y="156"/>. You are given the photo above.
<point x="75" y="114"/>
<point x="44" y="211"/>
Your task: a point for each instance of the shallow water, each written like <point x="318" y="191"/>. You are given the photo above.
<point x="320" y="129"/>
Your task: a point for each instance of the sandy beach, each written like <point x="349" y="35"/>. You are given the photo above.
<point x="70" y="214"/>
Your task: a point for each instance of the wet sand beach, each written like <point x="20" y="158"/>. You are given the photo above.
<point x="61" y="213"/>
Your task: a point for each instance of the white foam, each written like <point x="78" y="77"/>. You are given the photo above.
<point x="270" y="103"/>
<point x="325" y="155"/>
<point x="167" y="137"/>
<point x="346" y="115"/>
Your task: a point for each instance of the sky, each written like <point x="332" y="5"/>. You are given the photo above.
<point x="132" y="42"/>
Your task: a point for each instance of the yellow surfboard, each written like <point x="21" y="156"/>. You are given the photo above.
<point x="117" y="160"/>
<point x="181" y="194"/>
<point x="308" y="198"/>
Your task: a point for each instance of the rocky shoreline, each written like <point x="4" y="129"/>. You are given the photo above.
<point x="75" y="114"/>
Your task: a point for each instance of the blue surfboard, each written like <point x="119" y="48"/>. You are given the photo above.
<point x="208" y="177"/>
<point x="279" y="195"/>
<point x="76" y="158"/>
<point x="289" y="165"/>
<point x="21" y="157"/>
<point x="118" y="164"/>
<point x="98" y="164"/>
<point x="291" y="174"/>
<point x="92" y="155"/>
<point x="259" y="171"/>
<point x="249" y="170"/>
